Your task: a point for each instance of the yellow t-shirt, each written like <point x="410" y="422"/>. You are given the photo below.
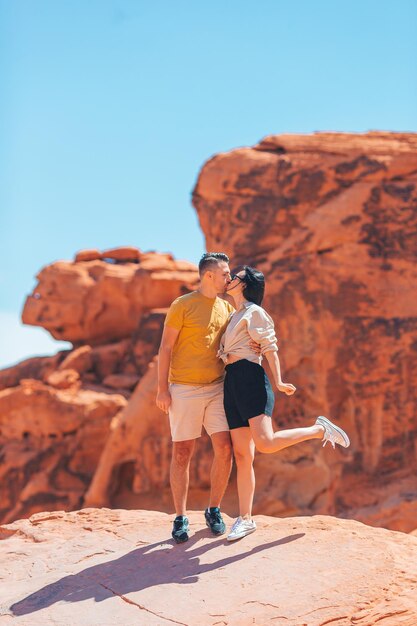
<point x="201" y="322"/>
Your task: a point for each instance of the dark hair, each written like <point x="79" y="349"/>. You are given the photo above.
<point x="210" y="259"/>
<point x="254" y="284"/>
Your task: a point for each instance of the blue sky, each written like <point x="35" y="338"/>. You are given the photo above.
<point x="109" y="108"/>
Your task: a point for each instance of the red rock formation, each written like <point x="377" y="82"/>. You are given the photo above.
<point x="51" y="442"/>
<point x="332" y="221"/>
<point x="56" y="412"/>
<point x="102" y="567"/>
<point x="138" y="435"/>
<point x="100" y="300"/>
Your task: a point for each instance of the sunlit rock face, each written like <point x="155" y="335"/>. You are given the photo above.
<point x="97" y="300"/>
<point x="331" y="219"/>
<point x="58" y="414"/>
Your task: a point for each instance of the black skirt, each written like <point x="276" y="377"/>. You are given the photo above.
<point x="247" y="393"/>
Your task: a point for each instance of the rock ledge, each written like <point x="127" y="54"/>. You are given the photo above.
<point x="110" y="567"/>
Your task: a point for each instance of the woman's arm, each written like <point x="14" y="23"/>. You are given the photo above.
<point x="261" y="328"/>
<point x="274" y="364"/>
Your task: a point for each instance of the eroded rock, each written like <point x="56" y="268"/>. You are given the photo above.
<point x="56" y="412"/>
<point x="94" y="301"/>
<point x="331" y="219"/>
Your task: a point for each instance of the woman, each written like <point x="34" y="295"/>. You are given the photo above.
<point x="248" y="395"/>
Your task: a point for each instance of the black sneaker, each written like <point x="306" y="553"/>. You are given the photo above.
<point x="215" y="521"/>
<point x="180" y="529"/>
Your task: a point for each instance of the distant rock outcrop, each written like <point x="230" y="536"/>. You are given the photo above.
<point x="97" y="300"/>
<point x="111" y="567"/>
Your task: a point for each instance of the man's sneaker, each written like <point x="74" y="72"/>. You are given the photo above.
<point x="180" y="529"/>
<point x="241" y="528"/>
<point x="215" y="521"/>
<point x="333" y="433"/>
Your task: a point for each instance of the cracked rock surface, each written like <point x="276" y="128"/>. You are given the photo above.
<point x="109" y="567"/>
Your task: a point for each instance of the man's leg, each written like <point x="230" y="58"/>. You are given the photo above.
<point x="182" y="451"/>
<point x="216" y="426"/>
<point x="221" y="467"/>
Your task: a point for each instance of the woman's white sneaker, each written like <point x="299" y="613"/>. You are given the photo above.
<point x="241" y="528"/>
<point x="333" y="433"/>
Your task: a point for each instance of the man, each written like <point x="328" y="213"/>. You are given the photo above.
<point x="190" y="387"/>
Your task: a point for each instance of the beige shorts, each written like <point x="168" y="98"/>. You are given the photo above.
<point x="195" y="406"/>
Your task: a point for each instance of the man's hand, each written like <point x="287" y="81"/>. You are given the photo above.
<point x="169" y="337"/>
<point x="286" y="388"/>
<point x="163" y="400"/>
<point x="255" y="347"/>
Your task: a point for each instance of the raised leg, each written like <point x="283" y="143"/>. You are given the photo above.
<point x="268" y="441"/>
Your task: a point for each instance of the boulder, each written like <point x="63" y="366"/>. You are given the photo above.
<point x="51" y="441"/>
<point x="93" y="302"/>
<point x="125" y="254"/>
<point x="88" y="255"/>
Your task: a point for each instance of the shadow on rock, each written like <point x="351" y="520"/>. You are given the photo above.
<point x="151" y="565"/>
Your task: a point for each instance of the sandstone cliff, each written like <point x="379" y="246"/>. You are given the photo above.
<point x="109" y="567"/>
<point x="331" y="219"/>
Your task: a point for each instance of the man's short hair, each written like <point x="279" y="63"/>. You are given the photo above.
<point x="209" y="260"/>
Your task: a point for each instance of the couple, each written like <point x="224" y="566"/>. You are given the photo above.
<point x="203" y="333"/>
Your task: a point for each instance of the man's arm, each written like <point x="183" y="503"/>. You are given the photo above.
<point x="169" y="337"/>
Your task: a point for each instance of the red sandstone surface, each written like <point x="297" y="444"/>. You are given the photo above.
<point x="109" y="567"/>
<point x="331" y="220"/>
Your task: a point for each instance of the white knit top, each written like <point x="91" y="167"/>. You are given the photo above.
<point x="249" y="322"/>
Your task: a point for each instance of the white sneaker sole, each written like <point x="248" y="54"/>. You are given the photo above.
<point x="339" y="430"/>
<point x="240" y="535"/>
